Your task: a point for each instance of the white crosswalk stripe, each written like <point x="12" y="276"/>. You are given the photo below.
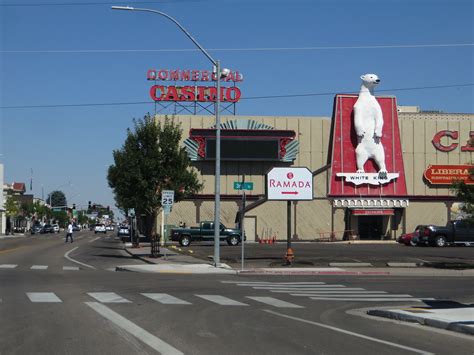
<point x="223" y="301"/>
<point x="8" y="266"/>
<point x="70" y="268"/>
<point x="43" y="297"/>
<point x="39" y="267"/>
<point x="108" y="297"/>
<point x="274" y="302"/>
<point x="325" y="292"/>
<point x="165" y="298"/>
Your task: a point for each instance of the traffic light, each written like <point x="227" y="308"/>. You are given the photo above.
<point x="89" y="205"/>
<point x="108" y="208"/>
<point x="73" y="206"/>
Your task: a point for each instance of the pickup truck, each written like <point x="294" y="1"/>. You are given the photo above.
<point x="205" y="232"/>
<point x="455" y="232"/>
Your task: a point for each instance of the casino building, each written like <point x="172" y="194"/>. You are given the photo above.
<point x="405" y="182"/>
<point x="433" y="149"/>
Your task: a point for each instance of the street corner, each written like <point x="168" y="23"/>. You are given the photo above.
<point x="446" y="315"/>
<point x="184" y="269"/>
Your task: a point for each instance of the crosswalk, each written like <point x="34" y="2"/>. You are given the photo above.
<point x="38" y="267"/>
<point x="321" y="291"/>
<point x="161" y="298"/>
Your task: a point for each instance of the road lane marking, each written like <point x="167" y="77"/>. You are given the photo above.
<point x="336" y="292"/>
<point x="164" y="298"/>
<point x="275" y="302"/>
<point x="224" y="301"/>
<point x="75" y="261"/>
<point x="329" y="288"/>
<point x="93" y="240"/>
<point x="130" y="327"/>
<point x="372" y="299"/>
<point x="108" y="297"/>
<point x="43" y="297"/>
<point x="265" y="283"/>
<point x="339" y="330"/>
<point x="70" y="268"/>
<point x="302" y="288"/>
<point x="39" y="267"/>
<point x="8" y="266"/>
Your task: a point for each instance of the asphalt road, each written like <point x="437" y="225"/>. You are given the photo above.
<point x="321" y="254"/>
<point x="78" y="305"/>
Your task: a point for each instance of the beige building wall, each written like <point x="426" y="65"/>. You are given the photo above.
<point x="317" y="218"/>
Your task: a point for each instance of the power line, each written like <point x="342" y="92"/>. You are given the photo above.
<point x="244" y="98"/>
<point x="250" y="49"/>
<point x="87" y="3"/>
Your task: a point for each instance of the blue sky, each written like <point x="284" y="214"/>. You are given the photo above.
<point x="61" y="52"/>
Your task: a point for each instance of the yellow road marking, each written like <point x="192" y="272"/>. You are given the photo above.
<point x="9" y="250"/>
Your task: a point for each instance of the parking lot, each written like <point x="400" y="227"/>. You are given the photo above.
<point x="322" y="254"/>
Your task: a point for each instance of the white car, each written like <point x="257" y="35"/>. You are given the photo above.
<point x="56" y="228"/>
<point x="100" y="228"/>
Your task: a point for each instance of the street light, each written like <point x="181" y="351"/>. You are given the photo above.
<point x="217" y="65"/>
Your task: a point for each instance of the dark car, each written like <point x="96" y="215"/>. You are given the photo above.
<point x="76" y="228"/>
<point x="205" y="232"/>
<point x="47" y="228"/>
<point x="36" y="229"/>
<point x="455" y="232"/>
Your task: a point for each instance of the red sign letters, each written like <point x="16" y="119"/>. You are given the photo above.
<point x="469" y="147"/>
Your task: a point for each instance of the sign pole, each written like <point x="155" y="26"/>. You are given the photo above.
<point x="242" y="219"/>
<point x="289" y="251"/>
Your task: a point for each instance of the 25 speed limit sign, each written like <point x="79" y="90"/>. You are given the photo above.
<point x="167" y="198"/>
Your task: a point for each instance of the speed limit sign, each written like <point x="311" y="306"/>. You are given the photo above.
<point x="167" y="198"/>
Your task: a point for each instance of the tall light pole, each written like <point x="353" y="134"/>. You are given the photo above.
<point x="217" y="187"/>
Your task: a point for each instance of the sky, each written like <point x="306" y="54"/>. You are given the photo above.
<point x="73" y="72"/>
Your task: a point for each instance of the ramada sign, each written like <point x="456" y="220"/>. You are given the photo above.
<point x="290" y="184"/>
<point x="193" y="92"/>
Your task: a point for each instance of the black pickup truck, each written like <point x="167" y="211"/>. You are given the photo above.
<point x="455" y="232"/>
<point x="205" y="232"/>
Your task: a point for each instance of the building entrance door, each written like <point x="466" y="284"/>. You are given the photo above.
<point x="370" y="227"/>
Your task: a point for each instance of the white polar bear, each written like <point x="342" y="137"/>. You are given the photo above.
<point x="368" y="122"/>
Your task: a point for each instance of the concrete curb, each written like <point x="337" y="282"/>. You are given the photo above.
<point x="436" y="323"/>
<point x="349" y="264"/>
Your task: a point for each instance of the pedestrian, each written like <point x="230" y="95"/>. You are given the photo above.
<point x="69" y="232"/>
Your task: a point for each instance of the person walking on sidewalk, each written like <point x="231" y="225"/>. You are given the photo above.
<point x="69" y="232"/>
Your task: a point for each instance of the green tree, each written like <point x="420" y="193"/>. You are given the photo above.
<point x="151" y="160"/>
<point x="12" y="209"/>
<point x="57" y="198"/>
<point x="465" y="192"/>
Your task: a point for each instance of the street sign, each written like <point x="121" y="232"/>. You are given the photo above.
<point x="239" y="185"/>
<point x="290" y="184"/>
<point x="167" y="198"/>
<point x="166" y="209"/>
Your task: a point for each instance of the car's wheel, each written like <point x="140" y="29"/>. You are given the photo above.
<point x="185" y="240"/>
<point x="233" y="240"/>
<point x="413" y="243"/>
<point x="440" y="241"/>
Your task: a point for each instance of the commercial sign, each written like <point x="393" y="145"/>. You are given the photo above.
<point x="447" y="174"/>
<point x="354" y="174"/>
<point x="290" y="184"/>
<point x="193" y="92"/>
<point x="368" y="212"/>
<point x="439" y="145"/>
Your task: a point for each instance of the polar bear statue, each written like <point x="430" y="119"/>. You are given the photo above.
<point x="368" y="123"/>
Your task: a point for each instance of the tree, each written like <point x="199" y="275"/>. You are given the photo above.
<point x="12" y="209"/>
<point x="151" y="160"/>
<point x="465" y="192"/>
<point x="57" y="199"/>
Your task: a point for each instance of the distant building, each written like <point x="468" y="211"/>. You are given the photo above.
<point x="2" y="204"/>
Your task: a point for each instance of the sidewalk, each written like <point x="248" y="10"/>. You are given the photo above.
<point x="455" y="317"/>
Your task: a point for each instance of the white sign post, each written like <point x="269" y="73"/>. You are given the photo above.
<point x="289" y="184"/>
<point x="167" y="201"/>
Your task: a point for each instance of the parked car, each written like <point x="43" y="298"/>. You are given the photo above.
<point x="410" y="238"/>
<point x="47" y="228"/>
<point x="100" y="228"/>
<point x="204" y="232"/>
<point x="123" y="233"/>
<point x="76" y="228"/>
<point x="56" y="228"/>
<point x="36" y="229"/>
<point x="455" y="232"/>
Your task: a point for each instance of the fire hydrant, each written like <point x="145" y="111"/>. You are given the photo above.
<point x="290" y="256"/>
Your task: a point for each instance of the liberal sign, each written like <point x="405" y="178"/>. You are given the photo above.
<point x="290" y="184"/>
